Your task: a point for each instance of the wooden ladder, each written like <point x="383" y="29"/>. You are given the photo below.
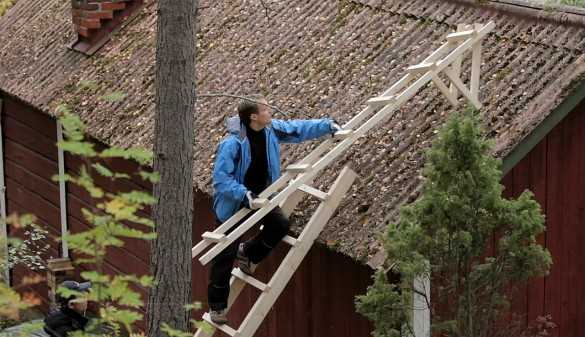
<point x="291" y="187"/>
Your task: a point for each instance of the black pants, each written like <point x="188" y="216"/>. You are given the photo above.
<point x="276" y="226"/>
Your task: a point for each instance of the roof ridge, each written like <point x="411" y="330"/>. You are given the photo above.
<point x="534" y="5"/>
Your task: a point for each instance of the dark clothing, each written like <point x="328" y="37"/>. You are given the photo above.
<point x="256" y="179"/>
<point x="59" y="322"/>
<point x="276" y="226"/>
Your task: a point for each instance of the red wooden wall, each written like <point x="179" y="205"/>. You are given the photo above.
<point x="555" y="172"/>
<point x="317" y="302"/>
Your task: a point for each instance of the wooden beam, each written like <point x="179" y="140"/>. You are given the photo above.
<point x="250" y="280"/>
<point x="213" y="237"/>
<point x="421" y="68"/>
<point x="443" y="88"/>
<point x="456" y="65"/>
<point x="475" y="68"/>
<point x="456" y="37"/>
<point x="377" y="102"/>
<point x="314" y="192"/>
<point x="298" y="168"/>
<point x="462" y="88"/>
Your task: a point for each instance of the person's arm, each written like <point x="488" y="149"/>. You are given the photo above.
<point x="299" y="130"/>
<point x="224" y="181"/>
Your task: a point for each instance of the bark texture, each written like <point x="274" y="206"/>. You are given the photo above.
<point x="173" y="151"/>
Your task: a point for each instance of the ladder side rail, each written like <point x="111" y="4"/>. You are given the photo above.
<point x="295" y="256"/>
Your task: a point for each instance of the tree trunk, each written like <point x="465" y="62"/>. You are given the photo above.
<point x="173" y="158"/>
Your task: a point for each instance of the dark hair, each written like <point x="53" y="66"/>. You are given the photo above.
<point x="248" y="107"/>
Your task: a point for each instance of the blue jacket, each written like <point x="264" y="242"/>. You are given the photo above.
<point x="233" y="158"/>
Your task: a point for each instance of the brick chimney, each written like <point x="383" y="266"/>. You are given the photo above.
<point x="95" y="21"/>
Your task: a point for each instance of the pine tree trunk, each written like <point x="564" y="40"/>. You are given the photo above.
<point x="173" y="159"/>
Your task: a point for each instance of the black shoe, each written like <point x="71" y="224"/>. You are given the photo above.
<point x="246" y="266"/>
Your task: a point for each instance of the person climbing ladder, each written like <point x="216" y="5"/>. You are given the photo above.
<point x="247" y="161"/>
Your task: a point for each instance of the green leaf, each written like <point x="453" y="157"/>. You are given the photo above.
<point x="140" y="155"/>
<point x="174" y="332"/>
<point x="95" y="277"/>
<point x="203" y="325"/>
<point x="153" y="177"/>
<point x="104" y="171"/>
<point x="78" y="148"/>
<point x="73" y="127"/>
<point x="193" y="306"/>
<point x="113" y="97"/>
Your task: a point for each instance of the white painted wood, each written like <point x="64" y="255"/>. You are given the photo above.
<point x="455" y="37"/>
<point x="377" y="102"/>
<point x="213" y="237"/>
<point x="475" y="68"/>
<point x="3" y="225"/>
<point x="314" y="192"/>
<point x="443" y="88"/>
<point x="421" y="68"/>
<point x="298" y="168"/>
<point x="462" y="88"/>
<point x="456" y="65"/>
<point x="224" y="327"/>
<point x="62" y="193"/>
<point x="421" y="300"/>
<point x="290" y="240"/>
<point x="250" y="280"/>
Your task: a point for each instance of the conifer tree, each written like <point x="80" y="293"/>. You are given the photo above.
<point x="444" y="237"/>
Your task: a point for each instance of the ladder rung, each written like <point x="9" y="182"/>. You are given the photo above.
<point x="223" y="327"/>
<point x="343" y="133"/>
<point x="213" y="237"/>
<point x="421" y="68"/>
<point x="250" y="280"/>
<point x="461" y="35"/>
<point x="290" y="240"/>
<point x="380" y="101"/>
<point x="314" y="192"/>
<point x="298" y="168"/>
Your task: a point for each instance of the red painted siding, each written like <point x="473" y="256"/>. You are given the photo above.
<point x="554" y="172"/>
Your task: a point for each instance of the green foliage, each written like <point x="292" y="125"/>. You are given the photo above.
<point x="5" y="6"/>
<point x="111" y="217"/>
<point x="114" y="218"/>
<point x="444" y="234"/>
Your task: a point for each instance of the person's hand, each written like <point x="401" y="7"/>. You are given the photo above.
<point x="253" y="202"/>
<point x="335" y="127"/>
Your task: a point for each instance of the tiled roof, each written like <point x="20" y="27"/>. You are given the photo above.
<point x="324" y="58"/>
